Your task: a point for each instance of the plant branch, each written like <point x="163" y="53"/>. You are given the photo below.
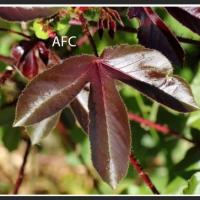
<point x="20" y="177"/>
<point x="83" y="39"/>
<point x="143" y="175"/>
<point x="188" y="40"/>
<point x="158" y="127"/>
<point x="87" y="32"/>
<point x="15" y="32"/>
<point x="8" y="60"/>
<point x="6" y="75"/>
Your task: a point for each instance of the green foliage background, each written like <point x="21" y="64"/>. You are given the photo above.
<point x="173" y="164"/>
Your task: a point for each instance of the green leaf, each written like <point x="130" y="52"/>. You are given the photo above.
<point x="183" y="168"/>
<point x="193" y="186"/>
<point x="194" y="118"/>
<point x="67" y="118"/>
<point x="7" y="115"/>
<point x="39" y="30"/>
<point x="11" y="137"/>
<point x="185" y="15"/>
<point x="40" y="130"/>
<point x="176" y="186"/>
<point x="154" y="33"/>
<point x="63" y="24"/>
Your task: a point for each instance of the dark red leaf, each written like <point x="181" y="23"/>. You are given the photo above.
<point x="111" y="33"/>
<point x="100" y="32"/>
<point x="29" y="66"/>
<point x="107" y="20"/>
<point x="80" y="109"/>
<point x="43" y="52"/>
<point x="113" y="25"/>
<point x="146" y="70"/>
<point x="52" y="90"/>
<point x="188" y="16"/>
<point x="151" y="73"/>
<point x="32" y="57"/>
<point x="21" y="49"/>
<point x="40" y="130"/>
<point x="100" y="28"/>
<point x="108" y="128"/>
<point x="25" y="13"/>
<point x="153" y="33"/>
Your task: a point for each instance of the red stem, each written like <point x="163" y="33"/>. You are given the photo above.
<point x="158" y="127"/>
<point x="143" y="175"/>
<point x="87" y="32"/>
<point x="20" y="177"/>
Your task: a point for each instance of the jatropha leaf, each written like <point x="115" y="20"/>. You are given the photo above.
<point x="194" y="118"/>
<point x="41" y="129"/>
<point x="31" y="57"/>
<point x="79" y="107"/>
<point x="52" y="90"/>
<point x="145" y="69"/>
<point x="105" y="129"/>
<point x="188" y="16"/>
<point x="153" y="33"/>
<point x="193" y="185"/>
<point x="108" y="128"/>
<point x="25" y="13"/>
<point x="150" y="72"/>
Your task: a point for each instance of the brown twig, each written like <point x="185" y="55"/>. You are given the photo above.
<point x="87" y="32"/>
<point x="15" y="32"/>
<point x="158" y="127"/>
<point x="83" y="39"/>
<point x="6" y="75"/>
<point x="20" y="177"/>
<point x="143" y="175"/>
<point x="188" y="40"/>
<point x="8" y="60"/>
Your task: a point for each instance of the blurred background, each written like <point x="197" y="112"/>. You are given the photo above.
<point x="61" y="164"/>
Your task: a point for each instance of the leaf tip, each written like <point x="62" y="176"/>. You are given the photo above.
<point x="34" y="141"/>
<point x="17" y="123"/>
<point x="113" y="185"/>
